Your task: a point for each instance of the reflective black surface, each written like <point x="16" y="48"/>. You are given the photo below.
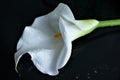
<point x="94" y="57"/>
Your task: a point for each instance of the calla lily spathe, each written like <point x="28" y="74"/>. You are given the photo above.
<point x="49" y="39"/>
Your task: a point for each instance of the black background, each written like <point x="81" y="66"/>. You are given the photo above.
<point x="94" y="57"/>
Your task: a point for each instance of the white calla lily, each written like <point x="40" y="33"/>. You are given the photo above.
<point x="49" y="39"/>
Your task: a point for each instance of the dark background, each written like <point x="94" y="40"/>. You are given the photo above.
<point x="94" y="57"/>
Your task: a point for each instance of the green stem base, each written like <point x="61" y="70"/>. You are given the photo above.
<point x="108" y="23"/>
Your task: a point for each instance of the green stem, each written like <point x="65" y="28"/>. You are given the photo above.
<point x="107" y="23"/>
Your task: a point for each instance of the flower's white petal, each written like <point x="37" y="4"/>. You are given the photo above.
<point x="33" y="39"/>
<point x="45" y="60"/>
<point x="51" y="20"/>
<point x="64" y="55"/>
<point x="70" y="32"/>
<point x="42" y="23"/>
<point x="61" y="10"/>
<point x="18" y="55"/>
<point x="79" y="28"/>
<point x="66" y="50"/>
<point x="70" y="27"/>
